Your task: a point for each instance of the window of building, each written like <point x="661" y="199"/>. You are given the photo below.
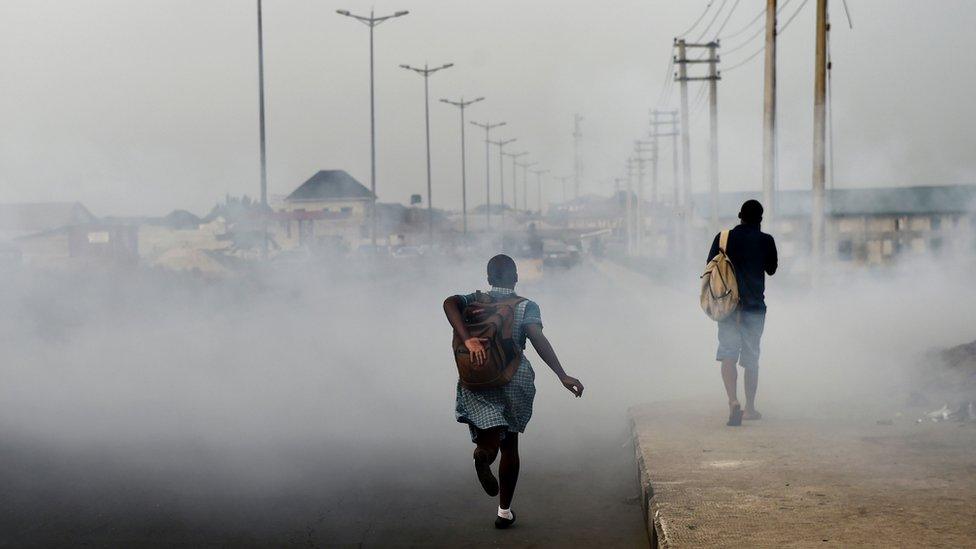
<point x="936" y="223"/>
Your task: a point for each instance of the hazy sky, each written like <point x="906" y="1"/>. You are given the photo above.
<point x="142" y="106"/>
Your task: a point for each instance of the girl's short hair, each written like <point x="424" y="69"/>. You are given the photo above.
<point x="501" y="269"/>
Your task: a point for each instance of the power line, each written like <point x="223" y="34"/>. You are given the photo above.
<point x="665" y="96"/>
<point x="727" y="19"/>
<point x="763" y="47"/>
<point x="700" y="17"/>
<point x="746" y="27"/>
<point x="756" y="34"/>
<point x="746" y="60"/>
<point x="792" y="17"/>
<point x="712" y="22"/>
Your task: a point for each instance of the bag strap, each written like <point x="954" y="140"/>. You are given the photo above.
<point x="723" y="241"/>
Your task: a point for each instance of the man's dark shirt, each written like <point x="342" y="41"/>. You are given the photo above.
<point x="753" y="254"/>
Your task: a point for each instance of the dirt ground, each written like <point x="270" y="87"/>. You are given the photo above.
<point x="835" y="476"/>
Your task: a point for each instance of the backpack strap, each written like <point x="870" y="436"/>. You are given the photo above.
<point x="723" y="241"/>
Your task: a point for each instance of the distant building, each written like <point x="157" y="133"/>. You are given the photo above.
<point x="61" y="234"/>
<point x="17" y="220"/>
<point x="331" y="205"/>
<point x="870" y="226"/>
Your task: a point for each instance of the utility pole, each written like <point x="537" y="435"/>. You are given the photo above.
<point x="461" y="105"/>
<point x="488" y="126"/>
<point x="538" y="187"/>
<point x="501" y="172"/>
<point x="819" y="135"/>
<point x="578" y="161"/>
<point x="631" y="165"/>
<point x="562" y="181"/>
<point x="661" y="118"/>
<point x="687" y="208"/>
<point x="713" y="77"/>
<point x="261" y="131"/>
<point x="616" y="193"/>
<point x="515" y="157"/>
<point x="641" y="147"/>
<point x="372" y="21"/>
<point x="525" y="184"/>
<point x="426" y="72"/>
<point x="769" y="114"/>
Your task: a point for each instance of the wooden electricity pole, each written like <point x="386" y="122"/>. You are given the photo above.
<point x="666" y="118"/>
<point x="641" y="147"/>
<point x="819" y="136"/>
<point x="682" y="77"/>
<point x="769" y="114"/>
<point x="713" y="78"/>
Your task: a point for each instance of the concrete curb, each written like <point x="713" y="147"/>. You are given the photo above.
<point x="654" y="523"/>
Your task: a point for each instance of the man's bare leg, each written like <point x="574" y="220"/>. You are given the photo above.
<point x="731" y="377"/>
<point x="751" y="383"/>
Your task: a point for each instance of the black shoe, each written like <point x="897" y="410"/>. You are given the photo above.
<point x="503" y="523"/>
<point x="482" y="465"/>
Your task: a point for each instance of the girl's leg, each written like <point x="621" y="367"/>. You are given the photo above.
<point x="487" y="443"/>
<point x="508" y="470"/>
<point x="485" y="452"/>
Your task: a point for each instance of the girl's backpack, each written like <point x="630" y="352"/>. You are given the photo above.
<point x="493" y="321"/>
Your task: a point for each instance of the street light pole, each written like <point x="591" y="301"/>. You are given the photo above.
<point x="461" y="105"/>
<point x="488" y="126"/>
<point x="563" y="179"/>
<point x="372" y="21"/>
<point x="264" y="155"/>
<point x="426" y="72"/>
<point x="525" y="184"/>
<point x="538" y="187"/>
<point x="515" y="157"/>
<point x="501" y="171"/>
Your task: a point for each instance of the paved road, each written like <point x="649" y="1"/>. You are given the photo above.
<point x="270" y="454"/>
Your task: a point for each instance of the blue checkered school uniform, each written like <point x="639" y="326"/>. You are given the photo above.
<point x="510" y="405"/>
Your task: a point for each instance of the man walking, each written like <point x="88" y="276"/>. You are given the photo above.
<point x="753" y="254"/>
<point x="496" y="415"/>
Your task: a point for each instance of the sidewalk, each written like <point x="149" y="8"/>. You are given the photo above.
<point x="800" y="481"/>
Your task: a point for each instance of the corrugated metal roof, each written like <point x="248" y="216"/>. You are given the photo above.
<point x="331" y="185"/>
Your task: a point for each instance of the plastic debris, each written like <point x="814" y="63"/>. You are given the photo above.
<point x="966" y="411"/>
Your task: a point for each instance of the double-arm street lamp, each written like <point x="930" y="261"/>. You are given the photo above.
<point x="501" y="170"/>
<point x="525" y="185"/>
<point x="488" y="126"/>
<point x="461" y="105"/>
<point x="426" y="72"/>
<point x="515" y="157"/>
<point x="372" y="21"/>
<point x="538" y="188"/>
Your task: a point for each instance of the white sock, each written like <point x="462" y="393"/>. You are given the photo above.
<point x="505" y="513"/>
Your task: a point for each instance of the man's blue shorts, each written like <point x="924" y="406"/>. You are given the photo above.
<point x="738" y="338"/>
